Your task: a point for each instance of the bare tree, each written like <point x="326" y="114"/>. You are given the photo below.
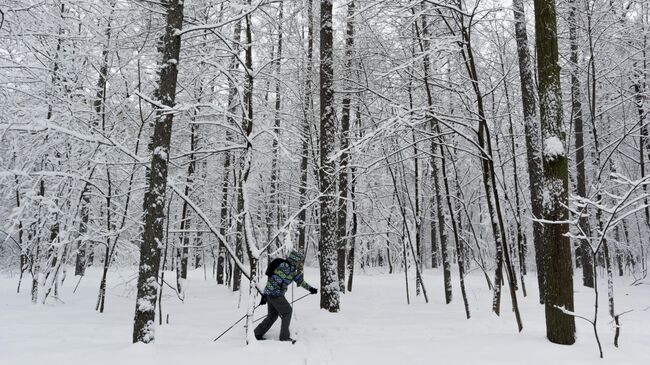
<point x="328" y="206"/>
<point x="145" y="309"/>
<point x="558" y="270"/>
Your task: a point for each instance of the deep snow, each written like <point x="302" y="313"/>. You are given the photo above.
<point x="375" y="326"/>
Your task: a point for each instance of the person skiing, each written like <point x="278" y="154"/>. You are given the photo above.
<point x="281" y="273"/>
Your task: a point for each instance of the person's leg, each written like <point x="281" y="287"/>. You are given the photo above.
<point x="284" y="310"/>
<point x="266" y="324"/>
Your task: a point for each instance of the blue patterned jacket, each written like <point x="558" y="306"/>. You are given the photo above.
<point x="282" y="277"/>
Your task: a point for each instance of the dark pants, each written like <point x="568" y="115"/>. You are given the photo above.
<point x="278" y="306"/>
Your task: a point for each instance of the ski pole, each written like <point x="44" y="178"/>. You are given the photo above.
<point x="239" y="320"/>
<point x="229" y="328"/>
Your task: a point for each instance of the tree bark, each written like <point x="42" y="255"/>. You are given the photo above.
<point x="345" y="143"/>
<point x="558" y="275"/>
<point x="446" y="263"/>
<point x="233" y="104"/>
<point x="181" y="275"/>
<point x="533" y="138"/>
<point x="355" y="220"/>
<point x="584" y="249"/>
<point x="306" y="129"/>
<point x="145" y="309"/>
<point x="273" y="217"/>
<point x="490" y="185"/>
<point x="329" y="299"/>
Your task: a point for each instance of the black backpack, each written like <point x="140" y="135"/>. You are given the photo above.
<point x="273" y="265"/>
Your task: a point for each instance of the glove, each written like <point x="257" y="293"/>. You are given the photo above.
<point x="313" y="290"/>
<point x="263" y="300"/>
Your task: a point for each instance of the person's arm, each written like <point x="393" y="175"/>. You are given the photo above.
<point x="300" y="281"/>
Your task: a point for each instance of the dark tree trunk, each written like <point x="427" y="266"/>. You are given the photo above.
<point x="80" y="261"/>
<point x="490" y="185"/>
<point x="355" y="216"/>
<point x="244" y="168"/>
<point x="36" y="251"/>
<point x="416" y="186"/>
<point x="521" y="238"/>
<point x="145" y="309"/>
<point x="101" y="298"/>
<point x="24" y="259"/>
<point x="584" y="249"/>
<point x="454" y="226"/>
<point x="240" y="239"/>
<point x="181" y="275"/>
<point x="274" y="215"/>
<point x="306" y="129"/>
<point x="329" y="299"/>
<point x="558" y="275"/>
<point x="446" y="263"/>
<point x="228" y="157"/>
<point x="345" y="143"/>
<point x="533" y="138"/>
<point x="355" y="225"/>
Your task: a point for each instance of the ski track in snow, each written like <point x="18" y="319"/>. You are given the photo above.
<point x="375" y="326"/>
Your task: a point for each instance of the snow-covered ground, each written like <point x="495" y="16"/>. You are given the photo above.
<point x="375" y="326"/>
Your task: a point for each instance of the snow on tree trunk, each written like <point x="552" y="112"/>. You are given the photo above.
<point x="446" y="262"/>
<point x="80" y="261"/>
<point x="489" y="184"/>
<point x="308" y="108"/>
<point x="584" y="249"/>
<point x="154" y="201"/>
<point x="328" y="205"/>
<point x="233" y="104"/>
<point x="558" y="270"/>
<point x="345" y="143"/>
<point x="274" y="212"/>
<point x="355" y="214"/>
<point x="533" y="137"/>
<point x="181" y="275"/>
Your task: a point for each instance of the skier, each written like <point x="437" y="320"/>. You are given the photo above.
<point x="281" y="273"/>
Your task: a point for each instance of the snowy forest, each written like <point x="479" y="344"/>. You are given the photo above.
<point x="466" y="179"/>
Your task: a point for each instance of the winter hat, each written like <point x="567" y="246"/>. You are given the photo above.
<point x="296" y="256"/>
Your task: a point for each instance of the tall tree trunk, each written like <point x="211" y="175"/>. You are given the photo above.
<point x="490" y="185"/>
<point x="80" y="260"/>
<point x="355" y="215"/>
<point x="558" y="274"/>
<point x="233" y="104"/>
<point x="36" y="267"/>
<point x="599" y="167"/>
<point x="328" y="223"/>
<point x="416" y="186"/>
<point x="101" y="298"/>
<point x="223" y="222"/>
<point x="274" y="216"/>
<point x="181" y="275"/>
<point x="584" y="249"/>
<point x="247" y="127"/>
<point x="145" y="309"/>
<point x="345" y="143"/>
<point x="416" y="213"/>
<point x="640" y="87"/>
<point x="521" y="238"/>
<point x="24" y="259"/>
<point x="306" y="129"/>
<point x="446" y="263"/>
<point x="454" y="226"/>
<point x="240" y="239"/>
<point x="533" y="138"/>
